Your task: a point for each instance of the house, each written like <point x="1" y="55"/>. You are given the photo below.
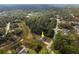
<point x="2" y="31"/>
<point x="17" y="21"/>
<point x="65" y="31"/>
<point x="24" y="50"/>
<point x="77" y="29"/>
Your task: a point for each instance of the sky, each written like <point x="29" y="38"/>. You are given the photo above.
<point x="39" y="1"/>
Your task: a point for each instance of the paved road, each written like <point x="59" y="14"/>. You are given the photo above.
<point x="49" y="46"/>
<point x="7" y="28"/>
<point x="56" y="29"/>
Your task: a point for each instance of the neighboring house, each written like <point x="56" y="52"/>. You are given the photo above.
<point x="2" y="31"/>
<point x="58" y="16"/>
<point x="24" y="50"/>
<point x="30" y="14"/>
<point x="65" y="31"/>
<point x="77" y="29"/>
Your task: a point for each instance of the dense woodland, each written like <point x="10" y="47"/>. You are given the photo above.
<point x="42" y="23"/>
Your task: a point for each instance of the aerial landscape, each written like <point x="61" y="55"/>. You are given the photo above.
<point x="39" y="29"/>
